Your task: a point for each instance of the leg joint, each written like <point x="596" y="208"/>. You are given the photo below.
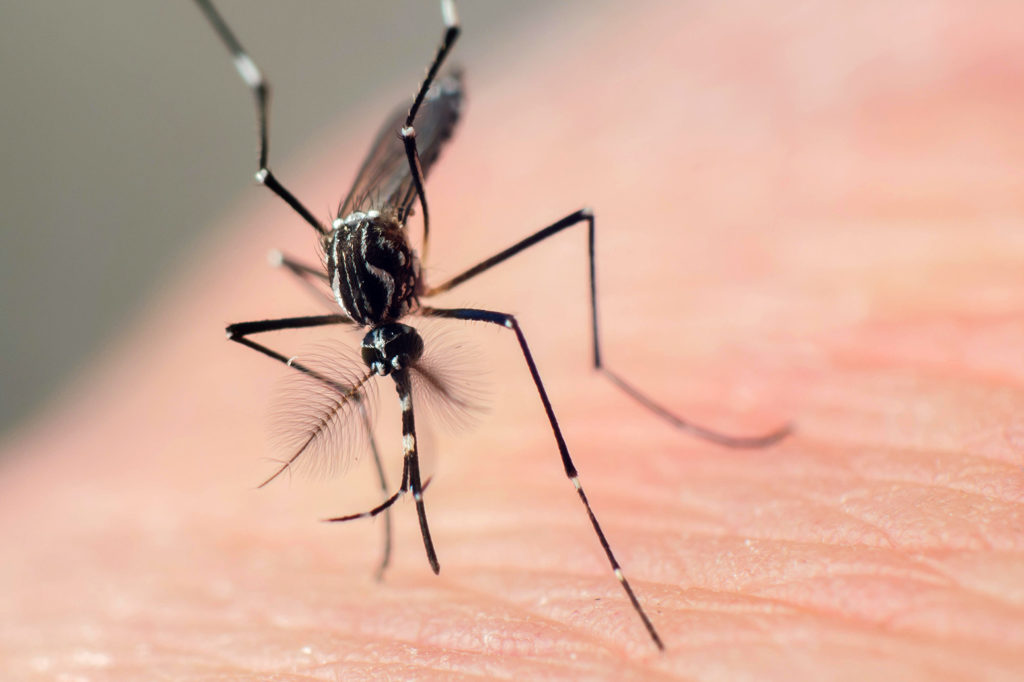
<point x="450" y="18"/>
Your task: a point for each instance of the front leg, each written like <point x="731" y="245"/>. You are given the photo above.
<point x="238" y="333"/>
<point x="509" y="322"/>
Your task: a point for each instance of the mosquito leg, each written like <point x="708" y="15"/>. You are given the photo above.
<point x="583" y="215"/>
<point x="509" y="322"/>
<point x="412" y="461"/>
<point x="408" y="132"/>
<point x="310" y="276"/>
<point x="240" y="332"/>
<point x="253" y="78"/>
<point x="297" y="268"/>
<point x="385" y="558"/>
<point x="410" y="471"/>
<point x="451" y="33"/>
<point x="305" y="272"/>
<point x="587" y="216"/>
<point x="382" y="507"/>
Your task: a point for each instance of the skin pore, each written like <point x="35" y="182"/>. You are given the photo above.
<point x="801" y="214"/>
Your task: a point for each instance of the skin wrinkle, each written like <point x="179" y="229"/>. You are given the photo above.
<point x="938" y="567"/>
<point x="787" y="492"/>
<point x="448" y="640"/>
<point x="531" y="616"/>
<point x="832" y="572"/>
<point x="1004" y="470"/>
<point x="884" y="619"/>
<point x="905" y="545"/>
<point x="607" y="643"/>
<point x="800" y="489"/>
<point x="403" y="657"/>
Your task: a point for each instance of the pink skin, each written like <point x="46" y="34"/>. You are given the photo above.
<point x="802" y="214"/>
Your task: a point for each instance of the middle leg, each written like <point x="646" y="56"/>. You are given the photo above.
<point x="587" y="216"/>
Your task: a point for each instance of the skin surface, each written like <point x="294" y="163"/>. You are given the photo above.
<point x="802" y="214"/>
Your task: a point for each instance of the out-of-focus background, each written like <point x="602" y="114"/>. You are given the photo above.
<point x="125" y="131"/>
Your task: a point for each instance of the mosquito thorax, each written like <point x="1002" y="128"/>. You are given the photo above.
<point x="391" y="346"/>
<point x="372" y="269"/>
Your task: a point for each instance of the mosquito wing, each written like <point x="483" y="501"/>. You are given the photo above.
<point x="385" y="181"/>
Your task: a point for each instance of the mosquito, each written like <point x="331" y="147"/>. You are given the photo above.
<point x="376" y="280"/>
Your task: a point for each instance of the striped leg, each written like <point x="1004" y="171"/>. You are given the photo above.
<point x="307" y="273"/>
<point x="383" y="506"/>
<point x="587" y="216"/>
<point x="385" y="559"/>
<point x="412" y="461"/>
<point x="309" y="276"/>
<point x="509" y="322"/>
<point x="408" y="132"/>
<point x="252" y="76"/>
<point x="238" y="333"/>
<point x="410" y="471"/>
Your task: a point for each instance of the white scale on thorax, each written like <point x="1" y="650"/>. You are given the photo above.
<point x="382" y="275"/>
<point x="351" y="220"/>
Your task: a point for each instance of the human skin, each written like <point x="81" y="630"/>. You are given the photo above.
<point x="802" y="214"/>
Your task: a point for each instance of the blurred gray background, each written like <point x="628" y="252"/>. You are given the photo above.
<point x="126" y="131"/>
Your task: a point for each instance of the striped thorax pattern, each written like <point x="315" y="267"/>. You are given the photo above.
<point x="373" y="271"/>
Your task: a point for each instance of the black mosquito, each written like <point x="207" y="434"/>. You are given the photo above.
<point x="374" y="276"/>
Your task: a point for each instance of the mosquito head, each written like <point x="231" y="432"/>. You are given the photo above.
<point x="372" y="268"/>
<point x="391" y="346"/>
